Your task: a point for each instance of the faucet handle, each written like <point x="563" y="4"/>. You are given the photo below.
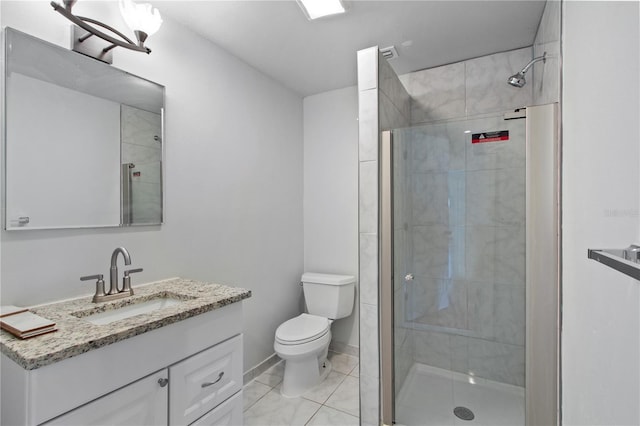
<point x="126" y="280"/>
<point x="99" y="286"/>
<point x="91" y="277"/>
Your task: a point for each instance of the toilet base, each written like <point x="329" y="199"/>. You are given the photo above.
<point x="297" y="379"/>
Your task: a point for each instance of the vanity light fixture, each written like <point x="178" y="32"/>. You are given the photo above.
<point x="314" y="9"/>
<point x="140" y="18"/>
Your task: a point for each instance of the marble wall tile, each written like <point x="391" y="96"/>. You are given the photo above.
<point x="369" y="400"/>
<point x="437" y="252"/>
<point x="510" y="255"/>
<point x="141" y="127"/>
<point x="509" y="312"/>
<point x="480" y="312"/>
<point x="480" y="253"/>
<point x="390" y="85"/>
<point x="460" y="354"/>
<point x="367" y="68"/>
<point x="369" y="358"/>
<point x="486" y="82"/>
<point x="368" y="125"/>
<point x="369" y="269"/>
<point x="140" y="154"/>
<point x="432" y="348"/>
<point x="368" y="198"/>
<point x="430" y="198"/>
<point x="496" y="361"/>
<point x="390" y="116"/>
<point x="146" y="205"/>
<point x="431" y="148"/>
<point x="545" y="76"/>
<point x="481" y="197"/>
<point x="437" y="93"/>
<point x="510" y="197"/>
<point x="444" y="302"/>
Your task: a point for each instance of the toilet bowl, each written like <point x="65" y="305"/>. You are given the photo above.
<point x="303" y="343"/>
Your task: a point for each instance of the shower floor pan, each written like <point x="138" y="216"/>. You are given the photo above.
<point x="429" y="395"/>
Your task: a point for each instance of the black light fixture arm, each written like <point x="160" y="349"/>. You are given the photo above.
<point x="82" y="23"/>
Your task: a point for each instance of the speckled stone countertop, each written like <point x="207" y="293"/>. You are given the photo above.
<point x="76" y="335"/>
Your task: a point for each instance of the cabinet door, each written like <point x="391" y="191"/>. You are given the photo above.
<point x="229" y="413"/>
<point x="201" y="382"/>
<point x="141" y="403"/>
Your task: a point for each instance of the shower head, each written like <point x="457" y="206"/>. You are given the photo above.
<point x="518" y="80"/>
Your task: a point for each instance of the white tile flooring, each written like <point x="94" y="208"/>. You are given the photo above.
<point x="336" y="401"/>
<point x="430" y="394"/>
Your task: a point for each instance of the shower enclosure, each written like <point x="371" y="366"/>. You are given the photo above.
<point x="453" y="243"/>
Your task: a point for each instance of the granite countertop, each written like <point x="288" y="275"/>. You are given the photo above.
<point x="76" y="335"/>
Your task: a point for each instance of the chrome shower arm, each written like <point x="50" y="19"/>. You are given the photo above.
<point x="542" y="58"/>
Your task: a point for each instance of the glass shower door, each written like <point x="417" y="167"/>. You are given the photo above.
<point x="458" y="271"/>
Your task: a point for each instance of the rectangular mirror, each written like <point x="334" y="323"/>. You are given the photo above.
<point x="83" y="140"/>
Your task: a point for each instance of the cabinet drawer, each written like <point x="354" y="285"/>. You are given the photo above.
<point x="141" y="403"/>
<point x="229" y="413"/>
<point x="201" y="382"/>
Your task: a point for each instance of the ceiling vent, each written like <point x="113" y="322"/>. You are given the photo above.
<point x="389" y="52"/>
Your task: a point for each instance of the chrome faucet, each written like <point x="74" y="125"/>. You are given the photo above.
<point x="113" y="272"/>
<point x="114" y="292"/>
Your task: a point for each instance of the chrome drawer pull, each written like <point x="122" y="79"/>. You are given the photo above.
<point x="163" y="382"/>
<point x="207" y="384"/>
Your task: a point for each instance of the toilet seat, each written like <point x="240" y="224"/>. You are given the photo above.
<point x="302" y="329"/>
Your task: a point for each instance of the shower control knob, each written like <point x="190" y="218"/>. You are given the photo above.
<point x="408" y="277"/>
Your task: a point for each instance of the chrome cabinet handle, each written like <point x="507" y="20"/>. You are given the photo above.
<point x="163" y="382"/>
<point x="207" y="384"/>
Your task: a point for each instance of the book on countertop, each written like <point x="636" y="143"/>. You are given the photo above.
<point x="7" y="310"/>
<point x="24" y="324"/>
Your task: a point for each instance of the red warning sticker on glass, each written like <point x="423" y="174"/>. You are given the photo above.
<point x="500" y="135"/>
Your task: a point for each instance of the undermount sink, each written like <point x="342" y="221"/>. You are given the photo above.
<point x="127" y="311"/>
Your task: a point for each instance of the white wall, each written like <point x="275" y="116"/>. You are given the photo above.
<point x="601" y="181"/>
<point x="331" y="192"/>
<point x="233" y="183"/>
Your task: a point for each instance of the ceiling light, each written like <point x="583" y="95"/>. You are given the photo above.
<point x="315" y="9"/>
<point x="141" y="19"/>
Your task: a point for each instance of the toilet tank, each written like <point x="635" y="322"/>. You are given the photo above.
<point x="328" y="295"/>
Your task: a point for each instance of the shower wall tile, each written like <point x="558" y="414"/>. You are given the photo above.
<point x="509" y="325"/>
<point x="445" y="302"/>
<point x="481" y="197"/>
<point x="431" y="249"/>
<point x="510" y="197"/>
<point x="486" y="87"/>
<point x="546" y="76"/>
<point x="141" y="127"/>
<point x="369" y="360"/>
<point x="368" y="125"/>
<point x="432" y="348"/>
<point x="480" y="295"/>
<point x="390" y="116"/>
<point x="369" y="269"/>
<point x="496" y="361"/>
<point x="440" y="149"/>
<point x="480" y="253"/>
<point x="510" y="255"/>
<point x="437" y="93"/>
<point x="369" y="399"/>
<point x="430" y="199"/>
<point x="368" y="205"/>
<point x="367" y="68"/>
<point x="392" y="87"/>
<point x="140" y="154"/>
<point x="146" y="203"/>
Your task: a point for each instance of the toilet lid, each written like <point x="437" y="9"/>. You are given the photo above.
<point x="302" y="329"/>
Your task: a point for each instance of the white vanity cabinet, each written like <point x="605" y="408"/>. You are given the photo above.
<point x="122" y="383"/>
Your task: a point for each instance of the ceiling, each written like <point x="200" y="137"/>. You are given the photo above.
<point x="316" y="56"/>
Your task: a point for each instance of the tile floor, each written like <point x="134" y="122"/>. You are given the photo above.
<point x="336" y="401"/>
<point x="430" y="394"/>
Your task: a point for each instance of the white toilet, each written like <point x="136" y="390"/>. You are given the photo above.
<point x="303" y="341"/>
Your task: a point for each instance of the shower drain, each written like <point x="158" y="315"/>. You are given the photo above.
<point x="463" y="413"/>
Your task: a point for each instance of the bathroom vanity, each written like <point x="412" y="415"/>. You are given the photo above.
<point x="139" y="360"/>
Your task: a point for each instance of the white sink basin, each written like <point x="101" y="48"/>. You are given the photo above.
<point x="107" y="317"/>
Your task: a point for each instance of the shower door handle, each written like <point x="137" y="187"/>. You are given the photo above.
<point x="408" y="277"/>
